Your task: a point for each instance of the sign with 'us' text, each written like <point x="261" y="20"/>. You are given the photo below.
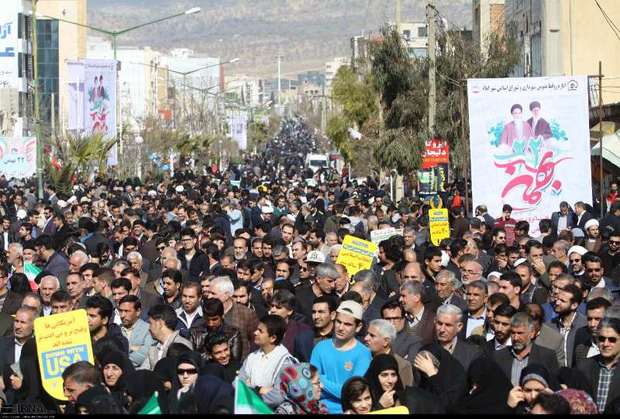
<point x="62" y="339"/>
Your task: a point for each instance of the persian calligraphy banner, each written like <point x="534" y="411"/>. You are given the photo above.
<point x="18" y="157"/>
<point x="8" y="46"/>
<point x="377" y="236"/>
<point x="62" y="340"/>
<point x="356" y="254"/>
<point x="436" y="151"/>
<point x="439" y="225"/>
<point x="529" y="144"/>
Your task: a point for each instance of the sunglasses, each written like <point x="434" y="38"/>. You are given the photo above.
<point x="615" y="242"/>
<point x="190" y="371"/>
<point x="611" y="339"/>
<point x="593" y="270"/>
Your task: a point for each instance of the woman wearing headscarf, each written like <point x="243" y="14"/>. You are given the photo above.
<point x="385" y="383"/>
<point x="114" y="367"/>
<point x="182" y="395"/>
<point x="579" y="401"/>
<point x="575" y="379"/>
<point x="301" y="388"/>
<point x="440" y="376"/>
<point x="488" y="389"/>
<point x="535" y="379"/>
<point x="140" y="386"/>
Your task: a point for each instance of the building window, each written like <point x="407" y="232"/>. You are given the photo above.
<point x="407" y="34"/>
<point x="422" y="32"/>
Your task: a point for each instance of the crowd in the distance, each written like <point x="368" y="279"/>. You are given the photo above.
<point x="195" y="283"/>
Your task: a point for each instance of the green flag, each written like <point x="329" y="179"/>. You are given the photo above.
<point x="248" y="402"/>
<point x="151" y="407"/>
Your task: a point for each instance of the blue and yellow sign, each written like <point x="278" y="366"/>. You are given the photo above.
<point x="62" y="339"/>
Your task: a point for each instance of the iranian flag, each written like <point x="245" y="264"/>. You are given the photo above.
<point x="151" y="407"/>
<point x="31" y="272"/>
<point x="248" y="402"/>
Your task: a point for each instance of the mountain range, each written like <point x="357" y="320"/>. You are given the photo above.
<point x="307" y="33"/>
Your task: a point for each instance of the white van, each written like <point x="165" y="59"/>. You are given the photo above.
<point x="316" y="161"/>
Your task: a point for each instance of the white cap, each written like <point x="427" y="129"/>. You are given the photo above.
<point x="519" y="261"/>
<point x="290" y="217"/>
<point x="21" y="214"/>
<point x="315" y="256"/>
<point x="267" y="209"/>
<point x="61" y="203"/>
<point x="180" y="188"/>
<point x="351" y="308"/>
<point x="577" y="249"/>
<point x="590" y="223"/>
<point x="84" y="199"/>
<point x="72" y="199"/>
<point x="152" y="193"/>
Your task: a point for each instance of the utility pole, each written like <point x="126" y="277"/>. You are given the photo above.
<point x="398" y="4"/>
<point x="432" y="44"/>
<point x="279" y="57"/>
<point x="600" y="131"/>
<point x="37" y="102"/>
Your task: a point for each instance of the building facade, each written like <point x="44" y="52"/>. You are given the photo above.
<point x="16" y="68"/>
<point x="566" y="37"/>
<point x="487" y="18"/>
<point x="58" y="42"/>
<point x="331" y="69"/>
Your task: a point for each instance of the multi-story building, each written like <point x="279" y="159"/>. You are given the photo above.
<point x="244" y="88"/>
<point x="488" y="18"/>
<point x="415" y="35"/>
<point x="331" y="68"/>
<point x="566" y="37"/>
<point x="16" y="68"/>
<point x="58" y="42"/>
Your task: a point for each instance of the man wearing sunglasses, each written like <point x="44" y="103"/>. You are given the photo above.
<point x="602" y="370"/>
<point x="595" y="274"/>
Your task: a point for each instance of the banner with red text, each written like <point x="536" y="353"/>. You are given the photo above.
<point x="530" y="144"/>
<point x="436" y="151"/>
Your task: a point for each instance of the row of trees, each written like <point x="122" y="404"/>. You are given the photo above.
<point x="385" y="98"/>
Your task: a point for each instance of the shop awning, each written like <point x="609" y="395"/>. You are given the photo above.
<point x="611" y="149"/>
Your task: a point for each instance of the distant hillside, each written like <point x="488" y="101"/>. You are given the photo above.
<point x="306" y="32"/>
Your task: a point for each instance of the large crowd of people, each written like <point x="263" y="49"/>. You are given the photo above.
<point x="195" y="284"/>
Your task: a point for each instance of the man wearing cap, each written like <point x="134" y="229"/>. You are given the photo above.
<point x="341" y="357"/>
<point x="326" y="275"/>
<point x="575" y="261"/>
<point x="593" y="237"/>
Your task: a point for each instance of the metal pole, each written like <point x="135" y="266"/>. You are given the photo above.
<point x="600" y="130"/>
<point x="279" y="80"/>
<point x="37" y="102"/>
<point x="432" y="99"/>
<point x="53" y="116"/>
<point x="463" y="141"/>
<point x="398" y="3"/>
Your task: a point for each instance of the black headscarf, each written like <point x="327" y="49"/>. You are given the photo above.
<point x="489" y="389"/>
<point x="379" y="364"/>
<point x="450" y="382"/>
<point x="120" y="360"/>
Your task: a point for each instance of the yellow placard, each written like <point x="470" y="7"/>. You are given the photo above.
<point x="356" y="254"/>
<point x="439" y="225"/>
<point x="62" y="339"/>
<point x="399" y="410"/>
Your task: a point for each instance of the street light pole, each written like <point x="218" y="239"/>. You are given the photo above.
<point x="37" y="103"/>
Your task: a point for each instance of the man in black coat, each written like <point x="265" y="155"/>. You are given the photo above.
<point x="523" y="351"/>
<point x="602" y="370"/>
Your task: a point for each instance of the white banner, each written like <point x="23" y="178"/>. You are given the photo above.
<point x="77" y="116"/>
<point x="18" y="157"/>
<point x="238" y="125"/>
<point x="100" y="97"/>
<point x="530" y="144"/>
<point x="8" y="45"/>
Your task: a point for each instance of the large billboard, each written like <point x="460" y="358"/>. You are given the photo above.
<point x="92" y="99"/>
<point x="8" y="45"/>
<point x="530" y="144"/>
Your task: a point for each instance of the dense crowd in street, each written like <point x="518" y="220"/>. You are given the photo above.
<point x="198" y="283"/>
